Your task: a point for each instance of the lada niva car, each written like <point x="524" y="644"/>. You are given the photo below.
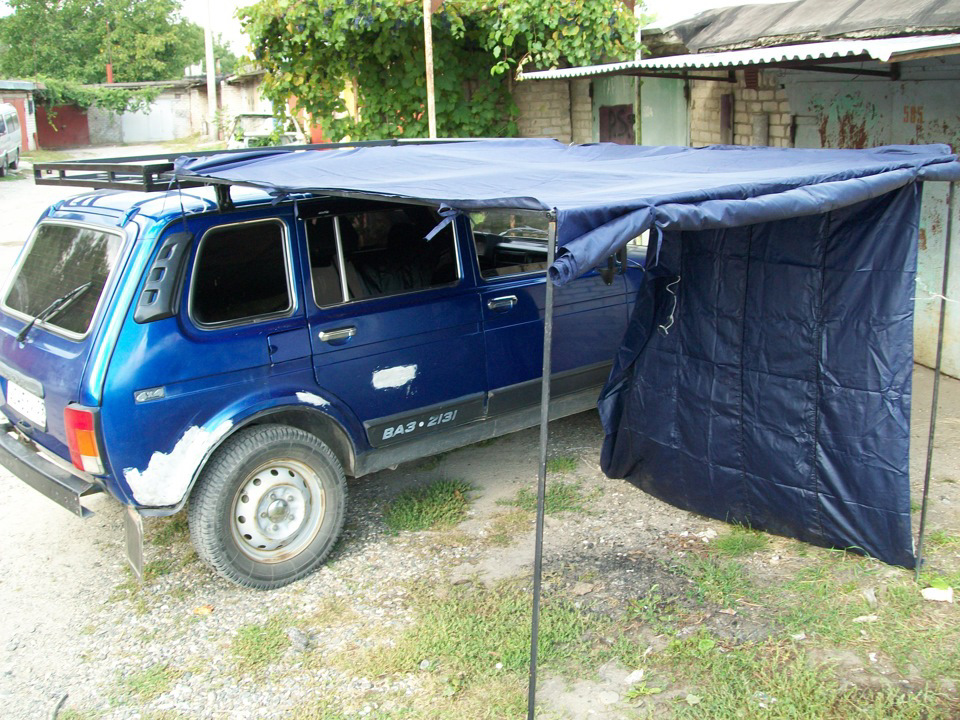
<point x="242" y="357"/>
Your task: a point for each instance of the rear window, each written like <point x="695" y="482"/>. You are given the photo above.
<point x="61" y="259"/>
<point x="241" y="274"/>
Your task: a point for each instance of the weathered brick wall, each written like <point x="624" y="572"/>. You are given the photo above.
<point x="749" y="106"/>
<point x="544" y="107"/>
<point x="581" y="110"/>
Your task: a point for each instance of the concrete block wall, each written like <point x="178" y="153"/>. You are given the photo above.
<point x="581" y="110"/>
<point x="545" y="108"/>
<point x="749" y="128"/>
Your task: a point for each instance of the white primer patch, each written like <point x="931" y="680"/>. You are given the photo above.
<point x="167" y="476"/>
<point x="311" y="399"/>
<point x="394" y="377"/>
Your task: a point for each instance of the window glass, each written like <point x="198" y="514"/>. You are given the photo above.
<point x="385" y="252"/>
<point x="63" y="258"/>
<point x="324" y="263"/>
<point x="510" y="242"/>
<point x="14" y="123"/>
<point x="241" y="273"/>
<point x="3" y="125"/>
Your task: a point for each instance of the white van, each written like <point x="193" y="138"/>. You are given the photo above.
<point x="9" y="138"/>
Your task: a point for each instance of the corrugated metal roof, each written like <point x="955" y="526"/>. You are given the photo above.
<point x="882" y="50"/>
<point x="743" y="26"/>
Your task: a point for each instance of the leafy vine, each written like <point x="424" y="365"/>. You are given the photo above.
<point x="322" y="51"/>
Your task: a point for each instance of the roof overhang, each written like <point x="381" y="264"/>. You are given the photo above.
<point x="818" y="56"/>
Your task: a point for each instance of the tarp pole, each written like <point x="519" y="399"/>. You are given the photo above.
<point x="936" y="376"/>
<point x="542" y="476"/>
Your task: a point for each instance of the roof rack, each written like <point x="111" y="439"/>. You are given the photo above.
<point x="150" y="173"/>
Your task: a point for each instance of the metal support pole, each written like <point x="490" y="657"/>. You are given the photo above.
<point x="936" y="376"/>
<point x="212" y="129"/>
<point x="542" y="476"/>
<point x="428" y="52"/>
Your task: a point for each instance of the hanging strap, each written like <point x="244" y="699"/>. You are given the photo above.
<point x="447" y="214"/>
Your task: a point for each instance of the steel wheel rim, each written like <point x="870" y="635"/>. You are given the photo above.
<point x="277" y="511"/>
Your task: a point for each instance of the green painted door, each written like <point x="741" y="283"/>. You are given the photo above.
<point x="663" y="112"/>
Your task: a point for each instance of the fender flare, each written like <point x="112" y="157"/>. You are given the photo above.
<point x="317" y="419"/>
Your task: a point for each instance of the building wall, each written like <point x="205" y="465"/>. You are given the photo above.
<point x="544" y="108"/>
<point x="581" y="110"/>
<point x="169" y="117"/>
<point x="761" y="116"/>
<point x="920" y="107"/>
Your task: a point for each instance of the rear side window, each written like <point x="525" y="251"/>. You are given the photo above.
<point x="379" y="253"/>
<point x="62" y="259"/>
<point x="241" y="274"/>
<point x="510" y="242"/>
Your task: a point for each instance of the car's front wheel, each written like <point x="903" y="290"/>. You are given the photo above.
<point x="268" y="507"/>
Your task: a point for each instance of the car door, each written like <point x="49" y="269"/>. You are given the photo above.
<point x="590" y="314"/>
<point x="395" y="326"/>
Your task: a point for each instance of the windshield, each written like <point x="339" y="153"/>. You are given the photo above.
<point x="60" y="259"/>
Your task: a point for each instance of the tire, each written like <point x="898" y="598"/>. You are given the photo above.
<point x="268" y="507"/>
<point x="16" y="161"/>
<point x="3" y="165"/>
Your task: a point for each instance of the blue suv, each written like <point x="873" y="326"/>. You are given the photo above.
<point x="216" y="350"/>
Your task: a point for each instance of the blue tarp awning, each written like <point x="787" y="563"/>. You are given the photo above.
<point x="603" y="194"/>
<point x="765" y="376"/>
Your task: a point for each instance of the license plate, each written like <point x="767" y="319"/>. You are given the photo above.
<point x="27" y="404"/>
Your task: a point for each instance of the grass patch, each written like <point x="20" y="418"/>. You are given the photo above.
<point x="717" y="580"/>
<point x="258" y="645"/>
<point x="775" y="681"/>
<point x="941" y="538"/>
<point x="656" y="612"/>
<point x="172" y="531"/>
<point x="442" y="503"/>
<point x="476" y="641"/>
<point x="562" y="464"/>
<point x="505" y="527"/>
<point x="148" y="684"/>
<point x="740" y="541"/>
<point x="561" y="497"/>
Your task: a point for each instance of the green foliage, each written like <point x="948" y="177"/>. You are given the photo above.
<point x="257" y="645"/>
<point x="562" y="464"/>
<point x="740" y="541"/>
<point x="561" y="497"/>
<point x="118" y="100"/>
<point x="75" y="39"/>
<point x="312" y="51"/>
<point x="147" y="684"/>
<point x="442" y="503"/>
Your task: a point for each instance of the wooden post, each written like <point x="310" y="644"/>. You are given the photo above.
<point x="428" y="51"/>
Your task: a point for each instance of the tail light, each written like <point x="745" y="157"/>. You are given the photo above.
<point x="81" y="426"/>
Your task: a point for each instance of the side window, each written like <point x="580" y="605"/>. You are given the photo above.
<point x="3" y="126"/>
<point x="14" y="123"/>
<point x="384" y="252"/>
<point x="324" y="261"/>
<point x="510" y="242"/>
<point x="241" y="273"/>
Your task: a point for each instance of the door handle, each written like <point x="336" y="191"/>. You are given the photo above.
<point x="338" y="334"/>
<point x="502" y="303"/>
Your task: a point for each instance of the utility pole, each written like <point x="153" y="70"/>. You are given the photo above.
<point x="428" y="51"/>
<point x="211" y="75"/>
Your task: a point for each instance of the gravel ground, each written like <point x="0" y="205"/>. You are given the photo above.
<point x="77" y="624"/>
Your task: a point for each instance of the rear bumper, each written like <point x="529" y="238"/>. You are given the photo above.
<point x="42" y="475"/>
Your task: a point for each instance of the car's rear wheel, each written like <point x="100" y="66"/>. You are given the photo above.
<point x="268" y="507"/>
<point x="3" y="165"/>
<point x="16" y="161"/>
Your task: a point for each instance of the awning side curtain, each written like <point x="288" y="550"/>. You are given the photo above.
<point x="779" y="397"/>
